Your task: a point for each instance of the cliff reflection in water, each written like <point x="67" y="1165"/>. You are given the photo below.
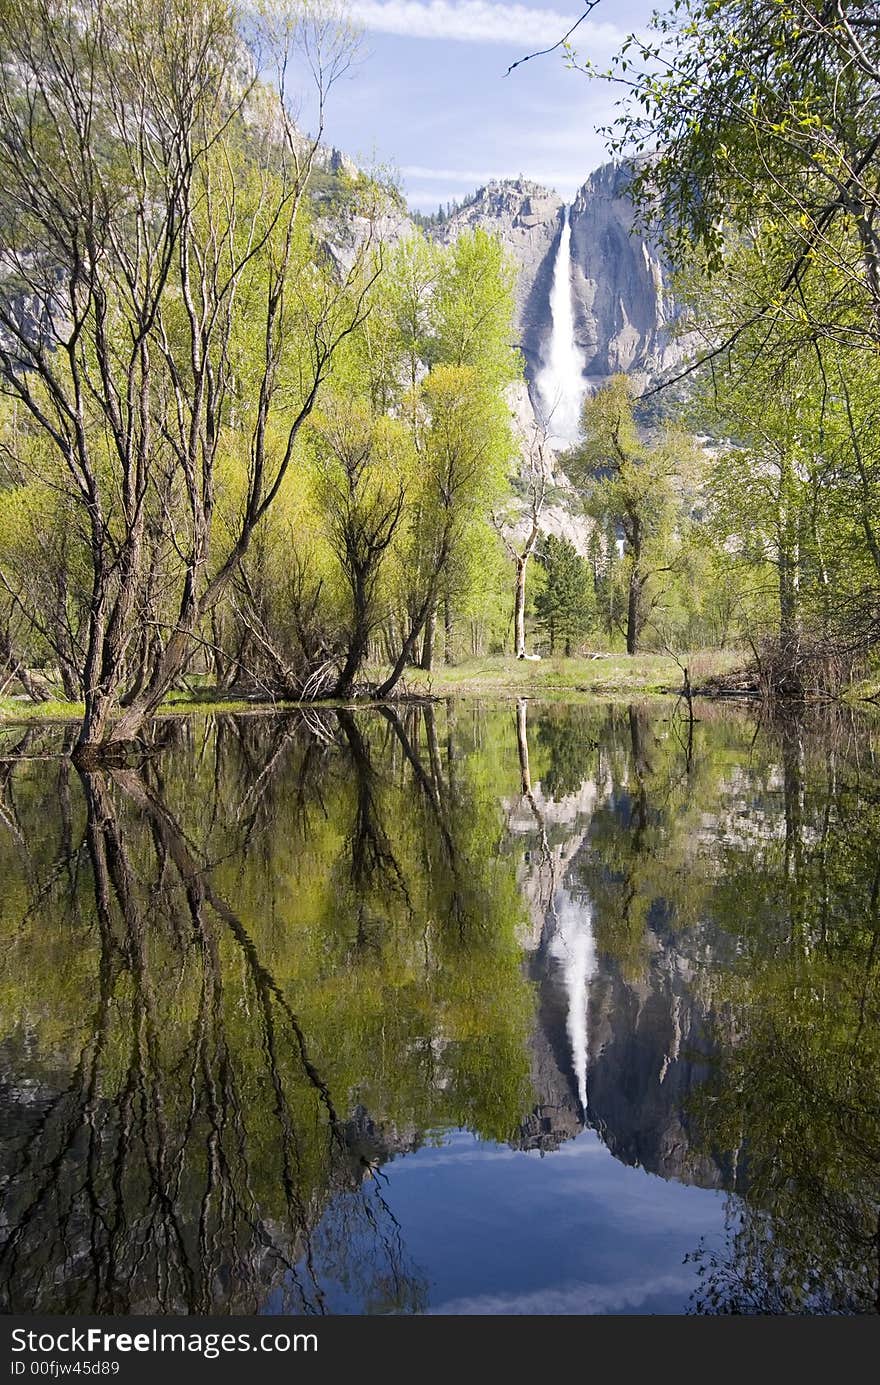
<point x="244" y="977"/>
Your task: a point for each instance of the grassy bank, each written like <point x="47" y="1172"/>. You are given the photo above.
<point x="607" y="674"/>
<point x="21" y="709"/>
<point x="500" y="676"/>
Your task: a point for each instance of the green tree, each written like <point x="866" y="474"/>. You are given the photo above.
<point x="758" y="166"/>
<point x="531" y="485"/>
<point x="362" y="479"/>
<point x="464" y="449"/>
<point x="385" y="519"/>
<point x="643" y="488"/>
<point x="793" y="485"/>
<point x="182" y="318"/>
<point x="565" y="605"/>
<point x="758" y="115"/>
<point x="470" y="328"/>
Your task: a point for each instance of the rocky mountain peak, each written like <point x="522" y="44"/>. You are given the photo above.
<point x="517" y="201"/>
<point x="610" y="181"/>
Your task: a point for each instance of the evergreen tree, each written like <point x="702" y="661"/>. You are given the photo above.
<point x="566" y="606"/>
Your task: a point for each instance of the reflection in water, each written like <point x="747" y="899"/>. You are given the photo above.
<point x="573" y="947"/>
<point x="569" y="942"/>
<point x="246" y="979"/>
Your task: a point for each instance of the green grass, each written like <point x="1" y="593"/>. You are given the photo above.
<point x="500" y="676"/>
<point x="613" y="674"/>
<point x="13" y="709"/>
<point x="21" y="709"/>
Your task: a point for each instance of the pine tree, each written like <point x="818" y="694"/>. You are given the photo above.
<point x="566" y="606"/>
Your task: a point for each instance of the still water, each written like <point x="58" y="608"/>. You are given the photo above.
<point x="450" y="1009"/>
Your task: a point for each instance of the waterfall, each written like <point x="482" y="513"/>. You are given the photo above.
<point x="573" y="947"/>
<point x="560" y="382"/>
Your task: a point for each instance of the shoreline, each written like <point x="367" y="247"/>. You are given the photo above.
<point x="500" y="678"/>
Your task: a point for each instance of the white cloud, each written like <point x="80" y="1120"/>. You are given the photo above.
<point x="475" y="21"/>
<point x="567" y="1299"/>
<point x="474" y="178"/>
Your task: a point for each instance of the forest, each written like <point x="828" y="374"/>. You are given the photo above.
<point x="253" y="444"/>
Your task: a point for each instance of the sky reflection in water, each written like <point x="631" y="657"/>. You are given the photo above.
<point x="459" y="1009"/>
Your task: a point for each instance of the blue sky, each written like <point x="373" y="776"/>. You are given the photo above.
<point x="492" y="1230"/>
<point x="428" y="96"/>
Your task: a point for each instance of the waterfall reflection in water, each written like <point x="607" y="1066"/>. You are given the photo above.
<point x="254" y="989"/>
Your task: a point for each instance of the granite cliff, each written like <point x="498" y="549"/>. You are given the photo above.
<point x="527" y="219"/>
<point x="623" y="307"/>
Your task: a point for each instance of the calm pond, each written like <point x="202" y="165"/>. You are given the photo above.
<point x="458" y="1009"/>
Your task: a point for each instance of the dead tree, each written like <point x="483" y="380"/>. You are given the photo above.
<point x="536" y="475"/>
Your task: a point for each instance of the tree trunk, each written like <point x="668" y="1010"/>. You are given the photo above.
<point x="427" y="660"/>
<point x="636" y="583"/>
<point x="358" y="643"/>
<point x="218" y="659"/>
<point x="87" y="750"/>
<point x="633" y="611"/>
<point x="69" y="680"/>
<point x="416" y="627"/>
<point x="417" y="622"/>
<point x="447" y="632"/>
<point x="788" y="598"/>
<point x="169" y="665"/>
<point x="141" y="670"/>
<point x="522" y="745"/>
<point x="519" y="609"/>
<point x="97" y="695"/>
<point x="788" y="532"/>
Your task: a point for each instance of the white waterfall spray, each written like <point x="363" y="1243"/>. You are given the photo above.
<point x="560" y="381"/>
<point x="573" y="946"/>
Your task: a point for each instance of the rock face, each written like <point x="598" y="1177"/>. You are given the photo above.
<point x="623" y="308"/>
<point x="649" y="1054"/>
<point x="527" y="219"/>
<point x="557" y="1115"/>
<point x="649" y="1041"/>
<point x="622" y="305"/>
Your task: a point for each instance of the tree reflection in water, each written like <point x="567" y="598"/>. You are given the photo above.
<point x="182" y="1157"/>
<point x="284" y="950"/>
